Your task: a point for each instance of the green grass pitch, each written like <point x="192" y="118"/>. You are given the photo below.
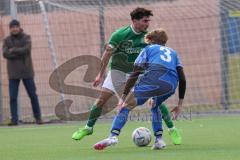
<point x="208" y="138"/>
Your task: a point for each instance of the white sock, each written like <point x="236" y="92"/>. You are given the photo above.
<point x="171" y="129"/>
<point x="89" y="128"/>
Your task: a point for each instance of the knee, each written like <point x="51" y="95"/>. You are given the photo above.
<point x="100" y="102"/>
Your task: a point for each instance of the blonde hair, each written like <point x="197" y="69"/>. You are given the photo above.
<point x="157" y="36"/>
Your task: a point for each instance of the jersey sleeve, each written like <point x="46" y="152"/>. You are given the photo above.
<point x="141" y="60"/>
<point x="115" y="39"/>
<point x="178" y="61"/>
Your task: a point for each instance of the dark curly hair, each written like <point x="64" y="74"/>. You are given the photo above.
<point x="139" y="13"/>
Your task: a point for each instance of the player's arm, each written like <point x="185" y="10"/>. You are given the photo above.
<point x="109" y="49"/>
<point x="181" y="91"/>
<point x="105" y="59"/>
<point x="137" y="70"/>
<point x="104" y="62"/>
<point x="182" y="84"/>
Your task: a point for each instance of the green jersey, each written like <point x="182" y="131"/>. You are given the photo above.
<point x="127" y="45"/>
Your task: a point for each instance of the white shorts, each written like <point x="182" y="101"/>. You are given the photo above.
<point x="115" y="81"/>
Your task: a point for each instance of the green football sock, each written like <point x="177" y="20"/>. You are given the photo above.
<point x="94" y="115"/>
<point x="166" y="115"/>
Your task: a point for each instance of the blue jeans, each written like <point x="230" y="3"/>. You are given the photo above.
<point x="31" y="91"/>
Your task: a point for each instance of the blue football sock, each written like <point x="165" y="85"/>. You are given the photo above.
<point x="157" y="122"/>
<point x="119" y="121"/>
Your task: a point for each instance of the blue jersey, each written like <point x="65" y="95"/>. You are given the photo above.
<point x="155" y="57"/>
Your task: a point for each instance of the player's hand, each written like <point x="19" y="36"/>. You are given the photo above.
<point x="98" y="80"/>
<point x="176" y="112"/>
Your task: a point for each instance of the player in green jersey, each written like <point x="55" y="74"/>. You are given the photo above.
<point x="122" y="49"/>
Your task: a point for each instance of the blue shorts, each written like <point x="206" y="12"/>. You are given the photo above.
<point x="159" y="85"/>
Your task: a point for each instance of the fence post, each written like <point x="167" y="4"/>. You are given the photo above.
<point x="101" y="26"/>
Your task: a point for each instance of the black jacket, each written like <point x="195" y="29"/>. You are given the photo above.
<point x="17" y="51"/>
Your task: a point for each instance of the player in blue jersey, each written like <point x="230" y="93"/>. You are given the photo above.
<point x="162" y="72"/>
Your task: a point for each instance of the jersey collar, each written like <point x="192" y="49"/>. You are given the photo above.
<point x="134" y="30"/>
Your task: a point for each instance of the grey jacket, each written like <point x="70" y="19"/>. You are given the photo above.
<point x="17" y="51"/>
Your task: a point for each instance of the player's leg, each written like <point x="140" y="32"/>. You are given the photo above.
<point x="166" y="115"/>
<point x="96" y="109"/>
<point x="167" y="83"/>
<point x="161" y="90"/>
<point x="118" y="123"/>
<point x="157" y="128"/>
<point x="173" y="131"/>
<point x="95" y="113"/>
<point x="120" y="120"/>
<point x="149" y="90"/>
<point x="113" y="83"/>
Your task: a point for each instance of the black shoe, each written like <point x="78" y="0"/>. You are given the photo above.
<point x="39" y="121"/>
<point x="12" y="123"/>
